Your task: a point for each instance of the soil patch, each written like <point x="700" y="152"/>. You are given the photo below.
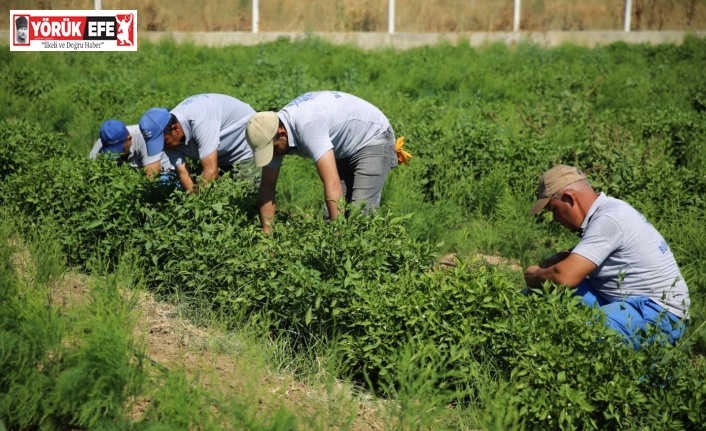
<point x="172" y="342"/>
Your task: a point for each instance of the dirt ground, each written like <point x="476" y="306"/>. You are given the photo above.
<point x="450" y="260"/>
<point x="174" y="342"/>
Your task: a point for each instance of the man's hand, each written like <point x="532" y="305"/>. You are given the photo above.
<point x="531" y="277"/>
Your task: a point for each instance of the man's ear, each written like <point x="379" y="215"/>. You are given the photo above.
<point x="175" y="128"/>
<point x="568" y="197"/>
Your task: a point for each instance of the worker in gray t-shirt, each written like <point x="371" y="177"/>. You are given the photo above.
<point x="209" y="128"/>
<point x="350" y="141"/>
<point x="621" y="264"/>
<point x="127" y="143"/>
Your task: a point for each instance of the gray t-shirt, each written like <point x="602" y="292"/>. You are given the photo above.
<point x="138" y="157"/>
<point x="212" y="122"/>
<point x="323" y="120"/>
<point x="632" y="258"/>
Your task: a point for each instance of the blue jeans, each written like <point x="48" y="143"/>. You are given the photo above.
<point x="363" y="174"/>
<point x="630" y="316"/>
<point x="170" y="179"/>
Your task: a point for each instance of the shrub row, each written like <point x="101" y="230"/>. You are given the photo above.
<point x="364" y="289"/>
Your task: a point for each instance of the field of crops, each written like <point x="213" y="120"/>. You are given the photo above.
<point x="459" y="344"/>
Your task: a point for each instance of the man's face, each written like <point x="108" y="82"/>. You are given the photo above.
<point x="562" y="209"/>
<point x="22" y="33"/>
<point x="280" y="143"/>
<point x="174" y="138"/>
<point x="127" y="145"/>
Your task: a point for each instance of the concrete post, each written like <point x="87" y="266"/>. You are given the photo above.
<point x="628" y="15"/>
<point x="97" y="4"/>
<point x="516" y="17"/>
<point x="255" y="16"/>
<point x="391" y="16"/>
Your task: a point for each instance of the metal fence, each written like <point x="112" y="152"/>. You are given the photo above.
<point x="516" y="21"/>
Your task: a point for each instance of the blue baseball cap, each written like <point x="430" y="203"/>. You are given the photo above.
<point x="113" y="135"/>
<point x="152" y="126"/>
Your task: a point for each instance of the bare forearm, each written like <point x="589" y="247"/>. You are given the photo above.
<point x="185" y="180"/>
<point x="333" y="193"/>
<point x="152" y="169"/>
<point x="332" y="206"/>
<point x="208" y="175"/>
<point x="266" y="197"/>
<point x="554" y="259"/>
<point x="267" y="215"/>
<point x="535" y="276"/>
<point x="267" y="204"/>
<point x="570" y="270"/>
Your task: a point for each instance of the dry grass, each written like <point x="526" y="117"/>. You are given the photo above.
<point x="371" y="15"/>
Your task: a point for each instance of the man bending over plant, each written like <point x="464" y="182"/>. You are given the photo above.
<point x="350" y="140"/>
<point x="126" y="145"/>
<point x="209" y="128"/>
<point x="621" y="263"/>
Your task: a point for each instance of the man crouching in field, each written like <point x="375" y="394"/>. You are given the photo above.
<point x="209" y="128"/>
<point x="621" y="264"/>
<point x="127" y="145"/>
<point x="350" y="141"/>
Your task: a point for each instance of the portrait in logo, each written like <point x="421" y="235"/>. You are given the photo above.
<point x="22" y="30"/>
<point x="125" y="29"/>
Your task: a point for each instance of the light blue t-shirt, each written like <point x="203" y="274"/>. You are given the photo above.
<point x="632" y="258"/>
<point x="323" y="120"/>
<point x="138" y="157"/>
<point x="212" y="122"/>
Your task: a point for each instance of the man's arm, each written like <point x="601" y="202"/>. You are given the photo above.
<point x="209" y="165"/>
<point x="184" y="178"/>
<point x="555" y="258"/>
<point x="206" y="135"/>
<point x="326" y="166"/>
<point x="266" y="198"/>
<point x="570" y="272"/>
<point x="153" y="169"/>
